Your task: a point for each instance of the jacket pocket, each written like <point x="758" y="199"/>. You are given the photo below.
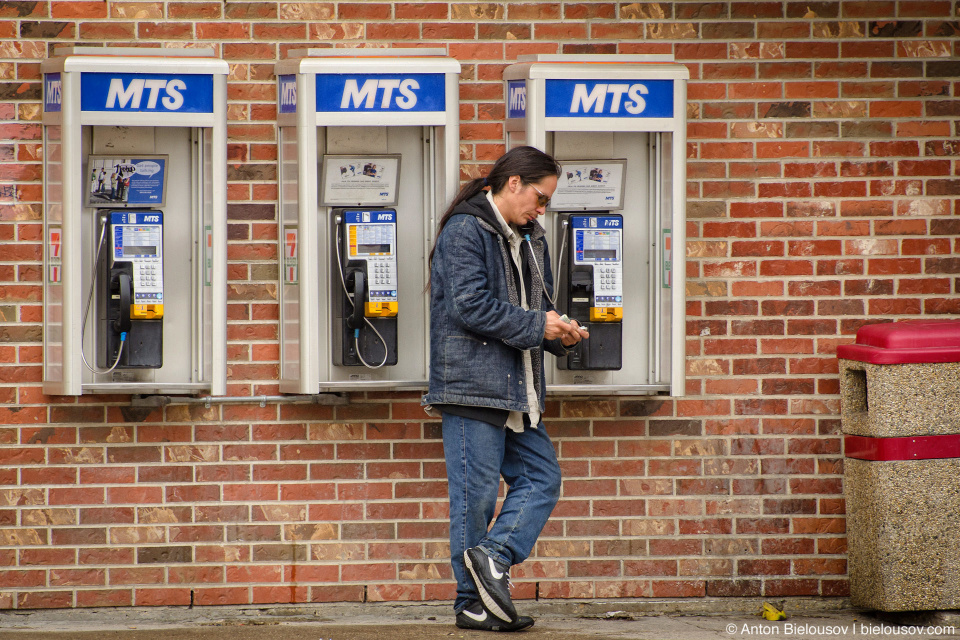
<point x="471" y="367"/>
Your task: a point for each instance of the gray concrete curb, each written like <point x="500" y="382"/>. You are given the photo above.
<point x="118" y="618"/>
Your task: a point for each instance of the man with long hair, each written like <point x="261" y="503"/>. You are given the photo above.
<point x="491" y="317"/>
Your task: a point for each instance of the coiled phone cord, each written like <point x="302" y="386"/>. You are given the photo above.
<point x="86" y="312"/>
<point x="356" y="332"/>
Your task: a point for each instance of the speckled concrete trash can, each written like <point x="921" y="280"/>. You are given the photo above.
<point x="900" y="413"/>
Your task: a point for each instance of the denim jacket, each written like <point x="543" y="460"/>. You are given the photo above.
<point x="478" y="330"/>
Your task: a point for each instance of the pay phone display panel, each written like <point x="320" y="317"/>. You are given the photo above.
<point x="372" y="237"/>
<point x="598" y="242"/>
<point x="142" y="246"/>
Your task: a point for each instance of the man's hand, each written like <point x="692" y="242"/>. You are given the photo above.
<point x="570" y="333"/>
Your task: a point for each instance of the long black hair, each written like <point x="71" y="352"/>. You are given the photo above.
<point x="531" y="164"/>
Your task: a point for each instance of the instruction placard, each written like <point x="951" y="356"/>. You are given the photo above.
<point x="594" y="185"/>
<point x="371" y="181"/>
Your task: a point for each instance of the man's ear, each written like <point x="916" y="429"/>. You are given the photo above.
<point x="514" y="183"/>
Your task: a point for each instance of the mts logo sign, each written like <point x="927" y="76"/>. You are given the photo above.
<point x="516" y="98"/>
<point x="158" y="93"/>
<point x="365" y="217"/>
<point x="121" y="95"/>
<point x="288" y="94"/>
<point x="595" y="99"/>
<point x="381" y="93"/>
<point x="609" y="98"/>
<point x="355" y="95"/>
<point x="52" y="92"/>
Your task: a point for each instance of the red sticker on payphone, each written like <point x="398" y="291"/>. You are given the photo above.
<point x="291" y="255"/>
<point x="54" y="275"/>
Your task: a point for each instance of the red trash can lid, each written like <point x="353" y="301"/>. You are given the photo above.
<point x="905" y="342"/>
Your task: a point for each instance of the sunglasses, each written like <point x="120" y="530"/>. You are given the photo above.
<point x="543" y="199"/>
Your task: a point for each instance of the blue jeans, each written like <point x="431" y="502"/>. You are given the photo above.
<point x="477" y="454"/>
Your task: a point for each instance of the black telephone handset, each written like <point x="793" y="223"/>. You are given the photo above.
<point x="124" y="284"/>
<point x="358" y="282"/>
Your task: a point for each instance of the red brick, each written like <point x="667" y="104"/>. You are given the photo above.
<point x="421" y="11"/>
<point x="786" y="268"/>
<point x="811" y="90"/>
<point x="364" y="11"/>
<point x="678" y="588"/>
<point x="809" y="288"/>
<point x="911" y="286"/>
<point x="726" y="150"/>
<point x="898" y="306"/>
<point x="923" y="168"/>
<point x="105" y="598"/>
<point x="337" y="593"/>
<point x="893" y="266"/>
<point x="676" y="547"/>
<point x="44" y="599"/>
<point x="755" y="90"/>
<point x="84" y="10"/>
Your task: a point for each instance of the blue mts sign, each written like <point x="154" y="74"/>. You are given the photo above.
<point x="146" y="92"/>
<point x="288" y="94"/>
<point x="516" y="98"/>
<point x="596" y="222"/>
<point x="609" y="99"/>
<point x="150" y="217"/>
<point x="52" y="92"/>
<point x="356" y="216"/>
<point x="390" y="92"/>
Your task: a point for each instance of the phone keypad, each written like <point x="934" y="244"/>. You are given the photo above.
<point x="608" y="284"/>
<point x="148" y="281"/>
<point x="382" y="276"/>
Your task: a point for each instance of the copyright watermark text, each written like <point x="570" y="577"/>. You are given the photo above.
<point x="786" y="629"/>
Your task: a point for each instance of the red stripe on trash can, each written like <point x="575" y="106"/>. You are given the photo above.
<point x="904" y="448"/>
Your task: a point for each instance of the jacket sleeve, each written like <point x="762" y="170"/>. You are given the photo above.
<point x="468" y="296"/>
<point x="554" y="346"/>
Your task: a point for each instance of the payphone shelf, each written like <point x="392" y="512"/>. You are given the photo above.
<point x="145" y="388"/>
<point x="589" y="389"/>
<point x="372" y="385"/>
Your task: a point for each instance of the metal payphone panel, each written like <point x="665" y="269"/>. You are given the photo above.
<point x="376" y="107"/>
<point x="616" y="111"/>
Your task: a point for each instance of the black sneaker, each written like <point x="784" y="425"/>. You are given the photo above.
<point x="476" y="617"/>
<point x="493" y="583"/>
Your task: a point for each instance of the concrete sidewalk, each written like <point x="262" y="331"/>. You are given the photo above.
<point x="702" y="619"/>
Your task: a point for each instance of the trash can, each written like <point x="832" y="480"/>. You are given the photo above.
<point x="900" y="415"/>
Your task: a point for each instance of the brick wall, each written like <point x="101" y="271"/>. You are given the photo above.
<point x="823" y="182"/>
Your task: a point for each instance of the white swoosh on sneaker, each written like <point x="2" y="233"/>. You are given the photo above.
<point x="473" y="616"/>
<point x="493" y="570"/>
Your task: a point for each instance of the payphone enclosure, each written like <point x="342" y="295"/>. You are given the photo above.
<point x="362" y="131"/>
<point x="617" y="125"/>
<point x="118" y="126"/>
